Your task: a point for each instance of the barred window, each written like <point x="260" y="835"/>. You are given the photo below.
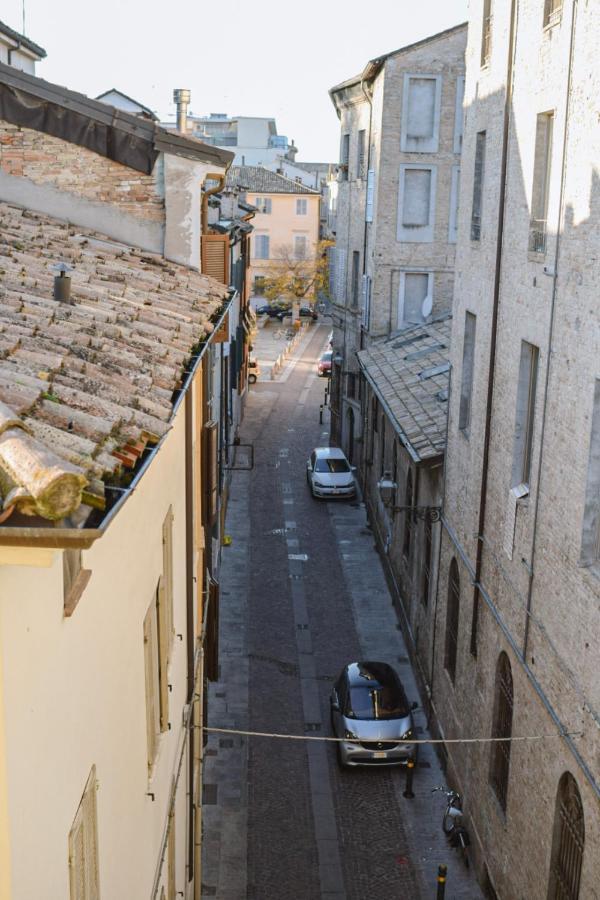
<point x="502" y="728"/>
<point x="452" y="613"/>
<point x="567" y="842"/>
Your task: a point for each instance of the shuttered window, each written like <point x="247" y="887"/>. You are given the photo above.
<point x="210" y="475"/>
<point x="361" y="157"/>
<point x="264" y="205"/>
<point x="211" y="640"/>
<point x="151" y="667"/>
<point x="164" y="619"/>
<point x="468" y="365"/>
<point x="452" y="616"/>
<point x="261" y="246"/>
<point x="215" y="256"/>
<point x="301" y="206"/>
<point x="84" y="880"/>
<point x="525" y="414"/>
<point x="478" y="176"/>
<point x="502" y="728"/>
<point x="300" y="246"/>
<point x="167" y="545"/>
<point x="420" y="113"/>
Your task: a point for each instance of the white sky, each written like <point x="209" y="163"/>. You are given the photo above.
<point x="241" y="57"/>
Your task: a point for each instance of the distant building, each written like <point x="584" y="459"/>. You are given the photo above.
<point x="19" y="51"/>
<point x="287" y="220"/>
<point x="120" y="100"/>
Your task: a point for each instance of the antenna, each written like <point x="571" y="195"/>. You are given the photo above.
<point x="23" y="32"/>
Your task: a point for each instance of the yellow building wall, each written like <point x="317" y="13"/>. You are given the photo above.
<point x="72" y="694"/>
<point x="281" y="225"/>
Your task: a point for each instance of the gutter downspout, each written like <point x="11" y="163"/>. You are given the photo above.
<point x="207" y="193"/>
<point x="369" y="99"/>
<point x="494" y="331"/>
<point x="559" y="228"/>
<point x="16" y="49"/>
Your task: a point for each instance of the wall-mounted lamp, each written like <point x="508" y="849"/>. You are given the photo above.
<point x="386" y="486"/>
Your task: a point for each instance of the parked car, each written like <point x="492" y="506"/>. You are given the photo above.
<point x="273" y="310"/>
<point x="305" y="312"/>
<point x="329" y="474"/>
<point x="370" y="710"/>
<point x="324" y="364"/>
<point x="253" y="370"/>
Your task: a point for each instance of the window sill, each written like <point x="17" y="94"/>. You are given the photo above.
<point x="536" y="256"/>
<point x="76" y="592"/>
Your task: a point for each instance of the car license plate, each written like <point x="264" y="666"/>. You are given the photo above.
<point x="379" y="754"/>
<point x="335" y="491"/>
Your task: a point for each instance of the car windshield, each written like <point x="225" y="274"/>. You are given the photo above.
<point x="327" y="357"/>
<point x="334" y="466"/>
<point x="377" y="702"/>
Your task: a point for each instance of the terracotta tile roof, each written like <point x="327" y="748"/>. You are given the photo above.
<point x="259" y="180"/>
<point x="85" y="386"/>
<point x="410" y="374"/>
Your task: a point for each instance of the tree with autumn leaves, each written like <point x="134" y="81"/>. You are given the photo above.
<point x="294" y="278"/>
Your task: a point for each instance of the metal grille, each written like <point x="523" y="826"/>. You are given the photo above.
<point x="452" y="620"/>
<point x="537" y="236"/>
<point x="569" y="836"/>
<point x="427" y="561"/>
<point x="502" y="729"/>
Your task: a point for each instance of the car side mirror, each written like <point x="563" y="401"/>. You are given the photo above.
<point x="414" y="705"/>
<point x="335" y="705"/>
<point x="353" y="468"/>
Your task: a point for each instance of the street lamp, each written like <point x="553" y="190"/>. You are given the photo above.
<point x="387" y="486"/>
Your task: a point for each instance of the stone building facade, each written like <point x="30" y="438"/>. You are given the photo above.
<point x="392" y="266"/>
<point x="513" y="652"/>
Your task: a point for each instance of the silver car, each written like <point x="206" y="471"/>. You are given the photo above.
<point x="369" y="708"/>
<point x="329" y="474"/>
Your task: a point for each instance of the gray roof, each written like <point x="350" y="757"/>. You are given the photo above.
<point x="263" y="181"/>
<point x="409" y="373"/>
<point x="21" y="39"/>
<point x="144" y="109"/>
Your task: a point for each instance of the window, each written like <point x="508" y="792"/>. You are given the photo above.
<point x="552" y="12"/>
<point x="541" y="183"/>
<point x="344" y="157"/>
<point x="261" y="246"/>
<point x="416" y="203"/>
<point x="415" y="287"/>
<point x="259" y="285"/>
<point x="502" y="728"/>
<point x="301" y="206"/>
<point x="263" y="205"/>
<point x="459" y="117"/>
<point x="590" y="545"/>
<point x="466" y="385"/>
<point x="408" y="517"/>
<point x="84" y="881"/>
<point x="300" y="246"/>
<point x="370" y="195"/>
<point x="75" y="580"/>
<point x="155" y="665"/>
<point x="427" y="556"/>
<point x="478" y="176"/>
<point x="454" y="195"/>
<point x="568" y="842"/>
<point x="452" y="613"/>
<point x="486" y="33"/>
<point x="361" y="158"/>
<point x="420" y="113"/>
<point x="355" y="277"/>
<point x="526" y="390"/>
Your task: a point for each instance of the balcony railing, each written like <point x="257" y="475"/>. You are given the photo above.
<point x="537" y="236"/>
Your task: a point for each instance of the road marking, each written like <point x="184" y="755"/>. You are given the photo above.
<point x="300" y="557"/>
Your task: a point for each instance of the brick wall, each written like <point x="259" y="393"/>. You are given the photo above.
<point x="46" y="160"/>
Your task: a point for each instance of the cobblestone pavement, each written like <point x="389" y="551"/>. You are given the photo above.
<point x="303" y="593"/>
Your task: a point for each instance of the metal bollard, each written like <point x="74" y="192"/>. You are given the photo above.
<point x="325" y="397"/>
<point x="320" y="414"/>
<point x="441" y="882"/>
<point x="408" y="791"/>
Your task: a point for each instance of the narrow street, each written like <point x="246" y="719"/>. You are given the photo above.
<point x="303" y="593"/>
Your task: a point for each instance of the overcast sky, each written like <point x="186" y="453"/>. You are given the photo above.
<point x="241" y="57"/>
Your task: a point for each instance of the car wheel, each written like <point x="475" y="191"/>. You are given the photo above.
<point x="252" y="379"/>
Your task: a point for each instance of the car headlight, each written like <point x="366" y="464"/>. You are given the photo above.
<point x="319" y="485"/>
<point x="349" y="735"/>
<point x="407" y="735"/>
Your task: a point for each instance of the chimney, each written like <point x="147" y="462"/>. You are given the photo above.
<point x="181" y="96"/>
<point x="62" y="283"/>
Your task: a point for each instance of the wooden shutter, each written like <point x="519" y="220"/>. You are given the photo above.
<point x="210" y="472"/>
<point x="167" y="542"/>
<point x="211" y="640"/>
<point x="215" y="256"/>
<point x="84" y="882"/>
<point x="163" y="652"/>
<point x="152" y="688"/>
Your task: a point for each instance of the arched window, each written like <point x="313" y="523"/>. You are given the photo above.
<point x="452" y="611"/>
<point x="567" y="842"/>
<point x="408" y="516"/>
<point x="502" y="728"/>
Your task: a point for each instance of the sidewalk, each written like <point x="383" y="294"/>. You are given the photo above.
<point x="271" y="352"/>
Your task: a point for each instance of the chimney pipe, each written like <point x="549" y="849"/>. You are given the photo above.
<point x="62" y="283"/>
<point x="181" y="96"/>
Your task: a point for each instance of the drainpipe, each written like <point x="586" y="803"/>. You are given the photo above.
<point x="559" y="226"/>
<point x="494" y="333"/>
<point x="16" y="49"/>
<point x="220" y="177"/>
<point x="369" y="99"/>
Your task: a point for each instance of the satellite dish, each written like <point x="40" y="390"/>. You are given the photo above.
<point x="427" y="306"/>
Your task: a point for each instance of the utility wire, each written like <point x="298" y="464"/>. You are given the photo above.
<point x="307" y="737"/>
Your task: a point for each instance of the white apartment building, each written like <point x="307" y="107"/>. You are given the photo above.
<point x="19" y="51"/>
<point x="395" y="223"/>
<point x="515" y="651"/>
